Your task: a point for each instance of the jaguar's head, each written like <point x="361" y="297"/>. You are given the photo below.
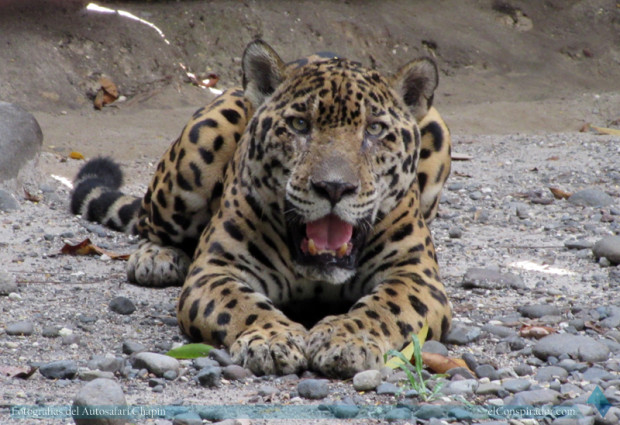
<point x="333" y="147"/>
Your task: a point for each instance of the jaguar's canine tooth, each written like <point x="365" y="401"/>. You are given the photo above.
<point x="312" y="247"/>
<point x="342" y="250"/>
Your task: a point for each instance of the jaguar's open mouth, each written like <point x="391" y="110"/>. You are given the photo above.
<point x="328" y="241"/>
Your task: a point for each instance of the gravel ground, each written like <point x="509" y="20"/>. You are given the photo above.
<point x="510" y="254"/>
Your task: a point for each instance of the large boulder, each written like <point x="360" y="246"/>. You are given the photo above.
<point x="20" y="139"/>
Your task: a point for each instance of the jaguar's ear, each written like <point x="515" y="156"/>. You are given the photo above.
<point x="263" y="70"/>
<point x="416" y="83"/>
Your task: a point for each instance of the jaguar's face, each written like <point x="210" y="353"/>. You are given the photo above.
<point x="336" y="150"/>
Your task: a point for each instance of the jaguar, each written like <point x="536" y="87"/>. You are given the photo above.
<point x="295" y="214"/>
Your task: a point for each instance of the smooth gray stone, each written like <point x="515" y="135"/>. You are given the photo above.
<point x="100" y="392"/>
<point x="579" y="347"/>
<point x="608" y="247"/>
<point x="20" y="139"/>
<point x="591" y="198"/>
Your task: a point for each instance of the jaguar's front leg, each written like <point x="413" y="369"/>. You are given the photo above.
<point x="343" y="345"/>
<point x="218" y="307"/>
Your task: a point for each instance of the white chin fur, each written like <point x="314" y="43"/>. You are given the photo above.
<point x="333" y="275"/>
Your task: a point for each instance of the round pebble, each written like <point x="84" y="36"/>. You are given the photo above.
<point x="235" y="372"/>
<point x="436" y="347"/>
<point x="387" y="388"/>
<point x="534" y="398"/>
<point x="462" y="335"/>
<point x="61" y="369"/>
<point x="155" y="363"/>
<point x="523" y="369"/>
<point x="591" y="198"/>
<point x="313" y="388"/>
<point x="130" y="347"/>
<point x="100" y="392"/>
<point x="486" y="371"/>
<point x="455" y="233"/>
<point x="398" y="414"/>
<point x="267" y="390"/>
<point x="344" y="411"/>
<point x="23" y="327"/>
<point x="202" y="362"/>
<point x="609" y="248"/>
<point x="366" y="380"/>
<point x="536" y="311"/>
<point x="187" y="418"/>
<point x="50" y="332"/>
<point x="8" y="202"/>
<point x="209" y="376"/>
<point x="20" y="139"/>
<point x="122" y="305"/>
<point x="463" y="387"/>
<point x="221" y="356"/>
<point x="516" y="385"/>
<point x="579" y="347"/>
<point x="549" y="373"/>
<point x="106" y="363"/>
<point x="488" y="278"/>
<point x="7" y="284"/>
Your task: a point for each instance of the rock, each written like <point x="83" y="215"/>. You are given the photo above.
<point x="122" y="305"/>
<point x="7" y="283"/>
<point x="130" y="347"/>
<point x="398" y="414"/>
<point x="578" y="244"/>
<point x="536" y="311"/>
<point x="486" y="371"/>
<point x="428" y="411"/>
<point x="314" y="389"/>
<point x="202" y="362"/>
<point x="523" y="369"/>
<point x="221" y="356"/>
<point x="549" y="373"/>
<point x="106" y="363"/>
<point x="155" y="363"/>
<point x="209" y="376"/>
<point x="235" y="372"/>
<point x="462" y="335"/>
<point x="591" y="198"/>
<point x="455" y="233"/>
<point x="100" y="392"/>
<point x="50" y="332"/>
<point x="489" y="388"/>
<point x="23" y="327"/>
<point x="491" y="279"/>
<point x="344" y="411"/>
<point x="187" y="418"/>
<point x="578" y="347"/>
<point x="516" y="385"/>
<point x="596" y="374"/>
<point x="464" y="386"/>
<point x="20" y="139"/>
<point x="500" y="331"/>
<point x="433" y="346"/>
<point x="7" y="201"/>
<point x="571" y="365"/>
<point x="387" y="388"/>
<point x="85" y="374"/>
<point x="267" y="390"/>
<point x="534" y="398"/>
<point x="61" y="369"/>
<point x="608" y="247"/>
<point x="366" y="380"/>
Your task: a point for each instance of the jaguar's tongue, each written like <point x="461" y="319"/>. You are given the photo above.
<point x="329" y="233"/>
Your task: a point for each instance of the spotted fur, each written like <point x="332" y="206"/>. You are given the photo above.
<point x="322" y="147"/>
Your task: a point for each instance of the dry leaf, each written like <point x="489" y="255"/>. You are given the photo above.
<point x="109" y="87"/>
<point x="30" y="197"/>
<point x="594" y="327"/>
<point x="585" y="128"/>
<point x="76" y="155"/>
<point x="559" y="193"/>
<point x="438" y="363"/>
<point x="461" y="157"/>
<point x="604" y="130"/>
<point x="99" y="99"/>
<point x="17" y="371"/>
<point x="535" y="331"/>
<point x="553" y="158"/>
<point x="86" y="247"/>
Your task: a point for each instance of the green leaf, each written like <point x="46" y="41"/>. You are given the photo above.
<point x="190" y="351"/>
<point x="409" y="350"/>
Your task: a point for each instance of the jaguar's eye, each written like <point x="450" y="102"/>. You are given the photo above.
<point x="375" y="129"/>
<point x="300" y="125"/>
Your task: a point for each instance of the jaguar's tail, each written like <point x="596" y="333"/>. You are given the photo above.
<point x="97" y="198"/>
